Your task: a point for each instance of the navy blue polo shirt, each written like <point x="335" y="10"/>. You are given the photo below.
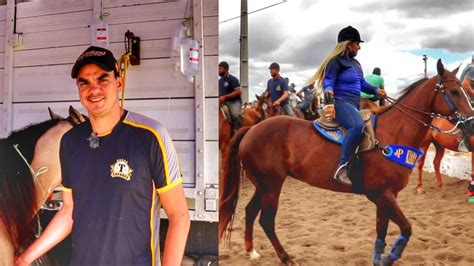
<point x="345" y="78"/>
<point x="276" y="87"/>
<point x="228" y="84"/>
<point x="115" y="189"/>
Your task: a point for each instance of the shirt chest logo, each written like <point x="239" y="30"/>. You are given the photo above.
<point x="278" y="88"/>
<point x="226" y="84"/>
<point x="121" y="169"/>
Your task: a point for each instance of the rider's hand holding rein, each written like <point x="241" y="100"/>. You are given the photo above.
<point x="382" y="93"/>
<point x="329" y="111"/>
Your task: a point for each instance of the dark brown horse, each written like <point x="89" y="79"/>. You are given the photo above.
<point x="23" y="192"/>
<point x="267" y="161"/>
<point x="441" y="142"/>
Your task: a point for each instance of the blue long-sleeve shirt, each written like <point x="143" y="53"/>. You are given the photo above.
<point x="345" y="78"/>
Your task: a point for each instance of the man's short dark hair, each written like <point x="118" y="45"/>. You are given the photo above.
<point x="377" y="71"/>
<point x="225" y="65"/>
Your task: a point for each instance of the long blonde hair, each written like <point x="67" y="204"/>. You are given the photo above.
<point x="318" y="77"/>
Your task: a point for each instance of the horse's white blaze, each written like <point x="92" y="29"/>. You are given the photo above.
<point x="47" y="156"/>
<point x="253" y="255"/>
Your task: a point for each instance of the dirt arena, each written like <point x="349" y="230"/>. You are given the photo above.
<point x="318" y="227"/>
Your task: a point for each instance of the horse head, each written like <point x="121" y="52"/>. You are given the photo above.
<point x="29" y="171"/>
<point x="451" y="99"/>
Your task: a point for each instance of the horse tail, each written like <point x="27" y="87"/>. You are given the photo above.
<point x="229" y="182"/>
<point x="17" y="198"/>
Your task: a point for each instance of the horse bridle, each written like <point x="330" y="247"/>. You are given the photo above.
<point x="458" y="118"/>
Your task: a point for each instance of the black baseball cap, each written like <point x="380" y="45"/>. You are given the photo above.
<point x="349" y="34"/>
<point x="94" y="55"/>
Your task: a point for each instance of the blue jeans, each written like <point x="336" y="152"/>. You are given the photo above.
<point x="288" y="109"/>
<point x="235" y="107"/>
<point x="305" y="104"/>
<point x="347" y="115"/>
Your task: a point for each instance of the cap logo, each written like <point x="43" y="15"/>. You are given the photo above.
<point x="91" y="53"/>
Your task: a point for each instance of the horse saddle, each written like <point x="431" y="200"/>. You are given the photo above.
<point x="331" y="130"/>
<point x="225" y="112"/>
<point x="224" y="109"/>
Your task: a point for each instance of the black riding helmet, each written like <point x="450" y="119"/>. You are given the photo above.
<point x="349" y="34"/>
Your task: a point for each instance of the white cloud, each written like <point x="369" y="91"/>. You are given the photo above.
<point x="307" y="31"/>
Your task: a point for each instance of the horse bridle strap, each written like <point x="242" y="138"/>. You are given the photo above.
<point x="458" y="117"/>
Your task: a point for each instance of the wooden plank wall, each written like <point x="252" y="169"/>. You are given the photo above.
<point x="55" y="32"/>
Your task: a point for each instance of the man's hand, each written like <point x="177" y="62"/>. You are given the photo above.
<point x="382" y="93"/>
<point x="276" y="103"/>
<point x="329" y="112"/>
<point x="221" y="99"/>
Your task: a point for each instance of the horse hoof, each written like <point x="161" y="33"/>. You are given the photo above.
<point x="386" y="260"/>
<point x="291" y="262"/>
<point x="253" y="255"/>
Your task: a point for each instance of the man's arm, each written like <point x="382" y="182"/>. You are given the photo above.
<point x="233" y="95"/>
<point x="176" y="208"/>
<point x="299" y="93"/>
<point x="285" y="96"/>
<point x="58" y="229"/>
<point x="466" y="83"/>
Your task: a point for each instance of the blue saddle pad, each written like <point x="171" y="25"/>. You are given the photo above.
<point x="336" y="135"/>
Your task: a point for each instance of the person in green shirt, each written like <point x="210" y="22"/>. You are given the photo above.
<point x="375" y="80"/>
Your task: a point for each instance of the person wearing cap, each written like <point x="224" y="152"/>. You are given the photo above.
<point x="467" y="78"/>
<point x="277" y="87"/>
<point x="341" y="77"/>
<point x="117" y="169"/>
<point x="376" y="80"/>
<point x="229" y="94"/>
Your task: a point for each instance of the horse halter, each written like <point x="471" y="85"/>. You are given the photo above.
<point x="458" y="118"/>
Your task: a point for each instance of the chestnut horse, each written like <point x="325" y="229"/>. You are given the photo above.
<point x="250" y="117"/>
<point x="441" y="142"/>
<point x="267" y="161"/>
<point x="25" y="186"/>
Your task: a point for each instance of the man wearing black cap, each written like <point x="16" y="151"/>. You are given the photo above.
<point x="229" y="94"/>
<point x="277" y="86"/>
<point x="118" y="168"/>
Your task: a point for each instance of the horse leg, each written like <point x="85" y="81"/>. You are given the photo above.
<point x="421" y="163"/>
<point x="381" y="228"/>
<point x="389" y="203"/>
<point x="269" y="205"/>
<point x="251" y="212"/>
<point x="437" y="163"/>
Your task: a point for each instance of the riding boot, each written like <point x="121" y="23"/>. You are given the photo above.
<point x="342" y="176"/>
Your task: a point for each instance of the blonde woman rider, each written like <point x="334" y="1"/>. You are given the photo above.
<point x="341" y="77"/>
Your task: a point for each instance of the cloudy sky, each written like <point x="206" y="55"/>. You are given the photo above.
<point x="300" y="33"/>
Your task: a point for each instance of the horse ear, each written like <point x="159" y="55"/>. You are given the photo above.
<point x="256" y="95"/>
<point x="440" y="67"/>
<point x="54" y="116"/>
<point x="455" y="71"/>
<point x="76" y="116"/>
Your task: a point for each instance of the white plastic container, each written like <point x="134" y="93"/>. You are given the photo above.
<point x="100" y="33"/>
<point x="189" y="58"/>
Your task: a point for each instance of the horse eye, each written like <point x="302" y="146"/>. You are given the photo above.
<point x="454" y="93"/>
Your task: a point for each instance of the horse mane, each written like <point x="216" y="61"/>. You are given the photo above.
<point x="382" y="109"/>
<point x="17" y="189"/>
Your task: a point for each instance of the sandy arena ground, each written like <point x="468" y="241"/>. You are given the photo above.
<point x="318" y="227"/>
